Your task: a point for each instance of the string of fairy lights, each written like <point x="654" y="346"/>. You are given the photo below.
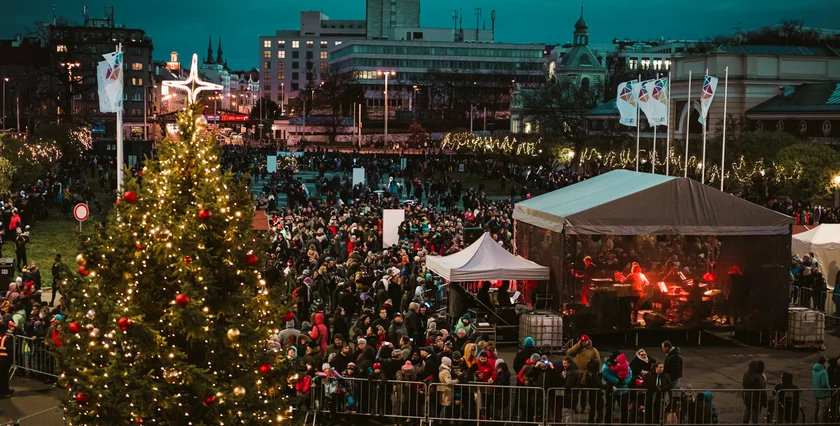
<point x="174" y="305"/>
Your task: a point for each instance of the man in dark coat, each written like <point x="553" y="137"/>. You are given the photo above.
<point x="413" y="327"/>
<point x="673" y="363"/>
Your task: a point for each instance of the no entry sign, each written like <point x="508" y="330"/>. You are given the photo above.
<point x="81" y="212"/>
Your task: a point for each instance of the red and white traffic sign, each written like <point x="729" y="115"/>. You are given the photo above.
<point x="81" y="212"/>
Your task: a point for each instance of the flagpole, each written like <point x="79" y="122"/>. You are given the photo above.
<point x="655" y="125"/>
<point x="668" y="130"/>
<point x="687" y="125"/>
<point x="705" y="120"/>
<point x="638" y="124"/>
<point x="120" y="131"/>
<point x="723" y="151"/>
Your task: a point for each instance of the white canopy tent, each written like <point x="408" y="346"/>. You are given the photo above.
<point x="824" y="242"/>
<point x="485" y="260"/>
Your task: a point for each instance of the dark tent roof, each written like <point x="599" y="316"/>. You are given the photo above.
<point x="809" y="98"/>
<point x="624" y="202"/>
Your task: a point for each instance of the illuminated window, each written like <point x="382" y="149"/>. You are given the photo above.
<point x="323" y="44"/>
<point x="61" y="48"/>
<point x="667" y="64"/>
<point x="337" y="42"/>
<point x="281" y="65"/>
<point x="633" y="64"/>
<point x="309" y="44"/>
<point x="267" y="65"/>
<point x="657" y="64"/>
<point x="137" y="66"/>
<point x="267" y="75"/>
<point x="267" y="54"/>
<point x="324" y="66"/>
<point x="281" y="54"/>
<point x="295" y="44"/>
<point x="281" y="75"/>
<point x="323" y="55"/>
<point x="267" y="43"/>
<point x="136" y="81"/>
<point x="645" y="64"/>
<point x="281" y="43"/>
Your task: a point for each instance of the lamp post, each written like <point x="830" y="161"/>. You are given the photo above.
<point x="837" y="191"/>
<point x="386" y="74"/>
<point x="5" y="80"/>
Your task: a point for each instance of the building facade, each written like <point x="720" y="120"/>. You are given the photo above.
<point x="438" y="75"/>
<point x="384" y="15"/>
<point x="579" y="64"/>
<point x="809" y="111"/>
<point x="292" y="60"/>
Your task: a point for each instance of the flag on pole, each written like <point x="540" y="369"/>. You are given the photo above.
<point x="626" y="103"/>
<point x="109" y="74"/>
<point x="659" y="103"/>
<point x="642" y="91"/>
<point x="706" y="96"/>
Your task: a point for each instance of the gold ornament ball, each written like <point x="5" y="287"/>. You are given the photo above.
<point x="171" y="376"/>
<point x="201" y="123"/>
<point x="239" y="391"/>
<point x="273" y="391"/>
<point x="80" y="260"/>
<point x="233" y="334"/>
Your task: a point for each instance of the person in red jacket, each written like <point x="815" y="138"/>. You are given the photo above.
<point x="486" y="368"/>
<point x="319" y="333"/>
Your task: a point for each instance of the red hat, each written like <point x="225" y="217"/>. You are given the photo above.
<point x="377" y="366"/>
<point x="408" y="366"/>
<point x="10" y="324"/>
<point x="289" y="316"/>
<point x="584" y="338"/>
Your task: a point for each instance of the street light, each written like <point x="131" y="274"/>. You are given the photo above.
<point x="5" y="80"/>
<point x="386" y="74"/>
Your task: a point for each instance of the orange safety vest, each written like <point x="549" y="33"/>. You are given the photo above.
<point x="3" y="352"/>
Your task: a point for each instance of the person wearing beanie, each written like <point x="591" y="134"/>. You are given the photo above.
<point x="582" y="352"/>
<point x="364" y="356"/>
<point x="405" y="395"/>
<point x="522" y="356"/>
<point x="617" y="374"/>
<point x="502" y="399"/>
<point x="290" y="333"/>
<point x="338" y="343"/>
<point x="431" y="365"/>
<point x="446" y="391"/>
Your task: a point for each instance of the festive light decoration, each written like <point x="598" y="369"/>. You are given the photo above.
<point x="139" y="361"/>
<point x="466" y="141"/>
<point x="193" y="85"/>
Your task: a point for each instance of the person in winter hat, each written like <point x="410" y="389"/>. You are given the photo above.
<point x="446" y="391"/>
<point x="617" y="365"/>
<point x="522" y="356"/>
<point x="319" y="333"/>
<point x="582" y="352"/>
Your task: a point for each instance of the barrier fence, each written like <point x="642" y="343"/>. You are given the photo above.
<point x="32" y="356"/>
<point x="826" y="301"/>
<point x="472" y="403"/>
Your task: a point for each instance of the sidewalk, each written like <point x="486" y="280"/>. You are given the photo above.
<point x="31" y="396"/>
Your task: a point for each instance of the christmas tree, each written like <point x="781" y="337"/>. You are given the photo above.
<point x="168" y="319"/>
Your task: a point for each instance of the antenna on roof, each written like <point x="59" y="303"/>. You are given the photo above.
<point x="54" y="20"/>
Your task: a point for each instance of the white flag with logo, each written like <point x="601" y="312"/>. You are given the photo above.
<point x="110" y="77"/>
<point x="706" y="96"/>
<point x="626" y="103"/>
<point x="659" y="101"/>
<point x="643" y="90"/>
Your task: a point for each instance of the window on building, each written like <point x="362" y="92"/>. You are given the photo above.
<point x="61" y="48"/>
<point x="267" y="75"/>
<point x="281" y="65"/>
<point x="309" y="44"/>
<point x="324" y="66"/>
<point x="584" y="84"/>
<point x="645" y="65"/>
<point x="267" y="65"/>
<point x="295" y="44"/>
<point x="281" y="75"/>
<point x="266" y="43"/>
<point x="295" y="87"/>
<point x="295" y="54"/>
<point x="280" y="96"/>
<point x="281" y="43"/>
<point x="136" y="81"/>
<point x="309" y="55"/>
<point x="281" y="54"/>
<point x="657" y="64"/>
<point x="667" y="64"/>
<point x="323" y="44"/>
<point x="323" y="55"/>
<point x="295" y="76"/>
<point x="137" y="66"/>
<point x="295" y="65"/>
<point x="136" y="97"/>
<point x="266" y="86"/>
<point x="633" y="64"/>
<point x="337" y="42"/>
<point x="267" y="54"/>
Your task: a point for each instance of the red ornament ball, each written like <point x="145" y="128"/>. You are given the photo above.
<point x="130" y="197"/>
<point x="81" y="398"/>
<point x="182" y="300"/>
<point x="74" y="327"/>
<point x="265" y="369"/>
<point x="187" y="259"/>
<point x="210" y="400"/>
<point x="123" y="323"/>
<point x="252" y="259"/>
<point x="118" y="201"/>
<point x="138" y="246"/>
<point x="204" y="214"/>
<point x="83" y="271"/>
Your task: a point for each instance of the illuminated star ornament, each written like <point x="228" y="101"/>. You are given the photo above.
<point x="192" y="85"/>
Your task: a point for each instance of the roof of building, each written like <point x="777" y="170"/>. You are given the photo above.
<point x="749" y="49"/>
<point x="580" y="56"/>
<point x="608" y="108"/>
<point x="803" y="99"/>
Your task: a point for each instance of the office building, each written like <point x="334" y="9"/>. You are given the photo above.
<point x="385" y="15"/>
<point x="292" y="60"/>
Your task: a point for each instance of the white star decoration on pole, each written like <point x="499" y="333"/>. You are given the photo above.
<point x="192" y="85"/>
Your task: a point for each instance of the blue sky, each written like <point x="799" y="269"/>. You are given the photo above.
<point x="185" y="25"/>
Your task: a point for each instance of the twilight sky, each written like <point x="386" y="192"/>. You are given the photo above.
<point x="182" y="26"/>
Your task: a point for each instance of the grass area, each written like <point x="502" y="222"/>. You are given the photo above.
<point x="50" y="237"/>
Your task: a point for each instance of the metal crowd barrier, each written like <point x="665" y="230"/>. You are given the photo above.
<point x="31" y="355"/>
<point x="824" y="301"/>
<point x="479" y="403"/>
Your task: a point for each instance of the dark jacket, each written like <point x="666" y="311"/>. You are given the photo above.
<point x="524" y="354"/>
<point x="413" y="328"/>
<point x="754" y="384"/>
<point x="674" y="363"/>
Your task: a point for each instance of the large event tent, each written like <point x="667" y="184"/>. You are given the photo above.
<point x="485" y="260"/>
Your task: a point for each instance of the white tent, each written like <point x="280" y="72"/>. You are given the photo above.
<point x="824" y="242"/>
<point x="485" y="260"/>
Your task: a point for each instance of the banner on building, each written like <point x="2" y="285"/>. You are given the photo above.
<point x="642" y="91"/>
<point x="391" y="220"/>
<point x="110" y="78"/>
<point x="706" y="96"/>
<point x="626" y="103"/>
<point x="659" y="103"/>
